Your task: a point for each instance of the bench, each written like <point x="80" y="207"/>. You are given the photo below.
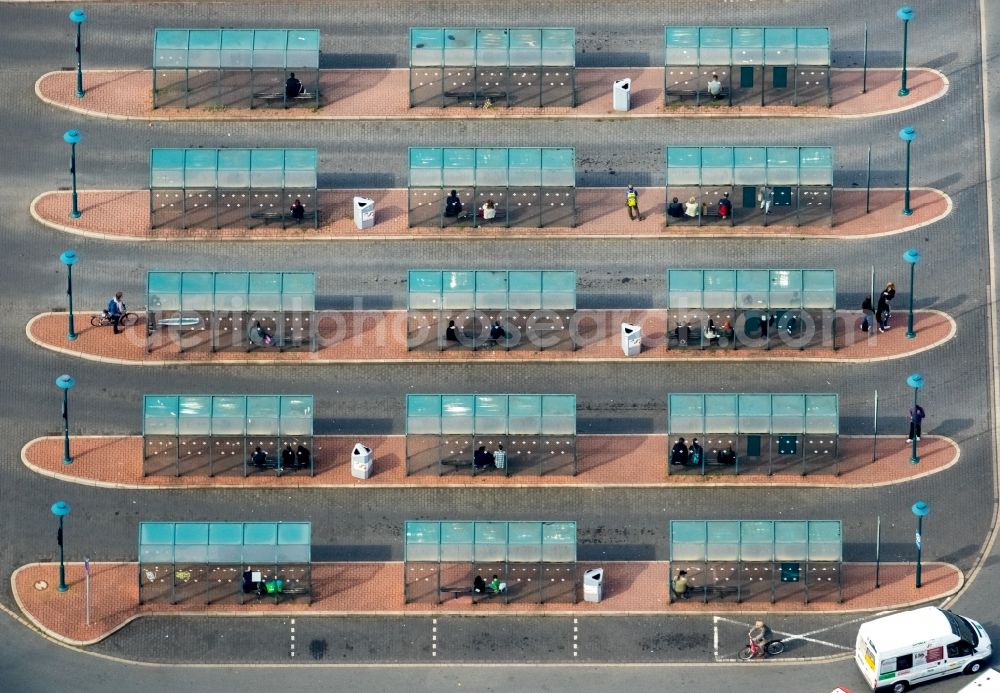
<point x="474" y="468"/>
<point x="270" y="216"/>
<point x="273" y="97"/>
<point x="721" y="591"/>
<point x="477" y="96"/>
<point x="698" y="93"/>
<point x="275" y="464"/>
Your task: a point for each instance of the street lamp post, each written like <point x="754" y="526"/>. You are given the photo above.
<point x="916" y="381"/>
<point x="920" y="509"/>
<point x="72" y="137"/>
<point x="61" y="510"/>
<point x="912" y="257"/>
<point x="78" y="17"/>
<point x="65" y="383"/>
<point x="906" y="14"/>
<point x="907" y="134"/>
<point x="69" y="259"/>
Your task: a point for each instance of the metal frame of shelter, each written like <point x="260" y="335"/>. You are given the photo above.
<point x="228" y="304"/>
<point x="202" y="188"/>
<point x="766" y="185"/>
<point x="694" y="54"/>
<point x="757" y="555"/>
<point x="188" y="431"/>
<point x="208" y="559"/>
<point x="536" y="560"/>
<point x="531" y="187"/>
<point x="537" y="431"/>
<point x="781" y="430"/>
<point x="522" y="66"/>
<point x="533" y="307"/>
<point x="796" y="308"/>
<point x="225" y="67"/>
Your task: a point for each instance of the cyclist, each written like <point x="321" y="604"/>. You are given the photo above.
<point x="760" y="634"/>
<point x="115" y="310"/>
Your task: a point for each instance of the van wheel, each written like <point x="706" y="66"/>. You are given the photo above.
<point x="900" y="687"/>
<point x="972" y="668"/>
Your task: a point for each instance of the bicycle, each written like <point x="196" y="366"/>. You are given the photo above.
<point x="103" y="319"/>
<point x="772" y="648"/>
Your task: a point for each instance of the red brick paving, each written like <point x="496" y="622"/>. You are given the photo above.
<point x="377" y="588"/>
<point x="124" y="215"/>
<point x="380" y="336"/>
<point x="384" y="94"/>
<point x="603" y="460"/>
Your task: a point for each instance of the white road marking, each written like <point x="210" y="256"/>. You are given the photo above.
<point x="715" y="635"/>
<point x="789" y="637"/>
<point x="434" y="637"/>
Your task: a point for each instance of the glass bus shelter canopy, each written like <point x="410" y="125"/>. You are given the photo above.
<point x="513" y="167"/>
<point x="236" y="49"/>
<point x="753" y="413"/>
<point x="749" y="166"/>
<point x="488" y="47"/>
<point x="231" y="291"/>
<point x="491" y="414"/>
<point x="723" y="45"/>
<point x="231" y="543"/>
<point x="228" y="415"/>
<point x="232" y="169"/>
<point x="756" y="540"/>
<point x="751" y="289"/>
<point x="491" y="289"/>
<point x="482" y="542"/>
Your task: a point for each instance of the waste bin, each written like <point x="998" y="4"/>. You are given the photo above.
<point x="361" y="462"/>
<point x="631" y="339"/>
<point x="364" y="212"/>
<point x="593" y="585"/>
<point x="622" y="94"/>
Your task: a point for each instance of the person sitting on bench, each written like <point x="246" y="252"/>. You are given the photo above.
<point x="302" y="457"/>
<point x="293" y="87"/>
<point x="679" y="453"/>
<point x="489" y="210"/>
<point x="675" y="209"/>
<point x="259" y="458"/>
<point x="258" y="336"/>
<point x="696" y="454"/>
<point x="727" y="456"/>
<point x="452" y="205"/>
<point x="497" y="587"/>
<point x="451" y="332"/>
<point x="273" y="586"/>
<point x="479" y="585"/>
<point x="497" y="332"/>
<point x="483" y="459"/>
<point x="287" y="457"/>
<point x="298" y="210"/>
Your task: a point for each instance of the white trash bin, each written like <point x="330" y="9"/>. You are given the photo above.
<point x="621" y="94"/>
<point x="631" y="339"/>
<point x="361" y="462"/>
<point x="364" y="212"/>
<point x="593" y="585"/>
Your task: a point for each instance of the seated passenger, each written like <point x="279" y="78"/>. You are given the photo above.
<point x="725" y="206"/>
<point x="489" y="210"/>
<point x="298" y="210"/>
<point x="451" y="333"/>
<point x="675" y="209"/>
<point x="481" y="459"/>
<point x="259" y="457"/>
<point x="479" y="585"/>
<point x="293" y="87"/>
<point x="496" y="586"/>
<point x="497" y="332"/>
<point x="727" y="456"/>
<point x="697" y="453"/>
<point x="691" y="208"/>
<point x="452" y="205"/>
<point x="679" y="453"/>
<point x="287" y="457"/>
<point x="259" y="336"/>
<point x="711" y="333"/>
<point x="302" y="457"/>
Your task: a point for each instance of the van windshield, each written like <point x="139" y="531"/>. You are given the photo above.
<point x="961" y="627"/>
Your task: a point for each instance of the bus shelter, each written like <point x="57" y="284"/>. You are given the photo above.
<point x="755" y="432"/>
<point x="218" y="562"/>
<point x="537" y="433"/>
<point x="535" y="560"/>
<point x="765" y="65"/>
<point x="468" y="309"/>
<point x="765" y="185"/>
<point x="727" y="308"/>
<point x="491" y="67"/>
<point x="233" y="68"/>
<point x="756" y="559"/>
<point x="530" y="187"/>
<point x="214" y="188"/>
<point x="192" y="434"/>
<point x="235" y="309"/>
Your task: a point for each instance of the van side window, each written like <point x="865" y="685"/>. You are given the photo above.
<point x="959" y="649"/>
<point x="904" y="662"/>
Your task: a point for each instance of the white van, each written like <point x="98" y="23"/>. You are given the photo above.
<point x="894" y="652"/>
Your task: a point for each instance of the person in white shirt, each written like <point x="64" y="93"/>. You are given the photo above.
<point x="715" y="87"/>
<point x="489" y="210"/>
<point x="500" y="457"/>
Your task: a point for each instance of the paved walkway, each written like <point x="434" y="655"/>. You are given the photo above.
<point x="603" y="461"/>
<point x="119" y="215"/>
<point x="374" y="589"/>
<point x="384" y="95"/>
<point x="380" y="337"/>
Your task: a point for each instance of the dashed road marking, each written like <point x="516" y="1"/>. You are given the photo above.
<point x="434" y="637"/>
<point x="576" y="637"/>
<point x="291" y="634"/>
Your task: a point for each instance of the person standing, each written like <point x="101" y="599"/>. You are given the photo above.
<point x="681" y="585"/>
<point x="116" y="309"/>
<point x="917" y="415"/>
<point x="884" y="309"/>
<point x="715" y="87"/>
<point x="632" y="203"/>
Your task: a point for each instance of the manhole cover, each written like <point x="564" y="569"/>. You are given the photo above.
<point x="41" y="585"/>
